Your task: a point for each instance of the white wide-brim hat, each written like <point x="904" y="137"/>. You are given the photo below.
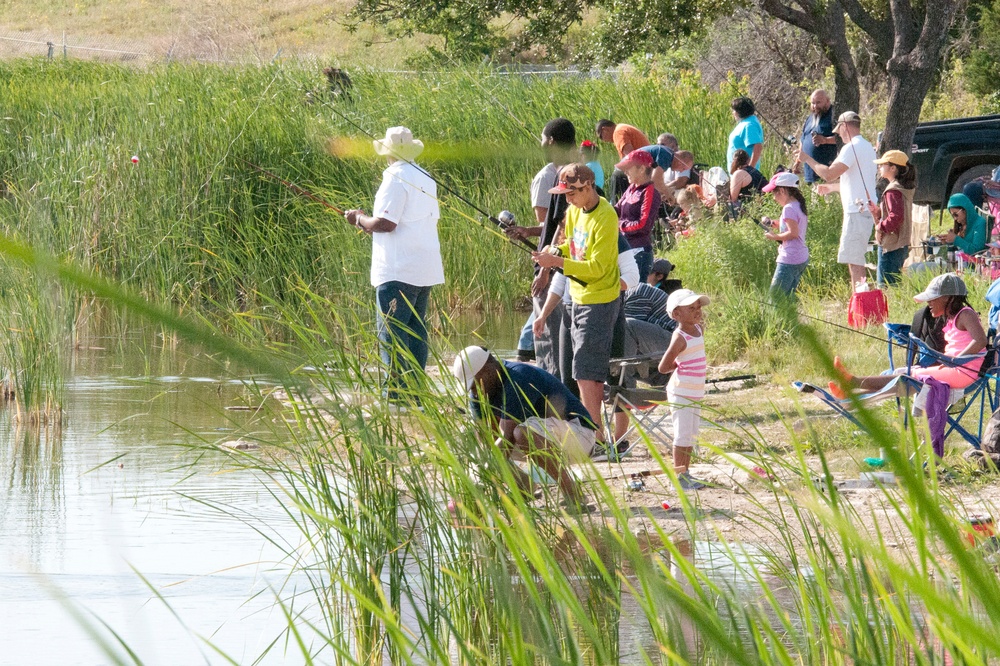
<point x="399" y="143"/>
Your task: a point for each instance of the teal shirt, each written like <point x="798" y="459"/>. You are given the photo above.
<point x="975" y="226"/>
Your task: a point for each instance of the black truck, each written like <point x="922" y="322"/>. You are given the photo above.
<point x="950" y="153"/>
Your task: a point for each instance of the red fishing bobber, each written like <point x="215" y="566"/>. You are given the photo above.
<point x="666" y="507"/>
<point x="135" y="159"/>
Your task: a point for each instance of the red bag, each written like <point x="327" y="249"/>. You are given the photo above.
<point x="867" y="308"/>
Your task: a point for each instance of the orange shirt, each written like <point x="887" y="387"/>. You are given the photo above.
<point x="628" y="134"/>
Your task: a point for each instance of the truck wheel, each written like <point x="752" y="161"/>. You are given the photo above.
<point x="970" y="175"/>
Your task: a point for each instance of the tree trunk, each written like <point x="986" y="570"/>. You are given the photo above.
<point x="826" y="22"/>
<point x="908" y="87"/>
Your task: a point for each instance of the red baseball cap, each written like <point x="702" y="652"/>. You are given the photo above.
<point x="638" y="156"/>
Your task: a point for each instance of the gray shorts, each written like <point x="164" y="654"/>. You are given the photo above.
<point x="593" y="333"/>
<point x="854" y="237"/>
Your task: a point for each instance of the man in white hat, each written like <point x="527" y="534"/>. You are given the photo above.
<point x="530" y="410"/>
<point x="855" y="172"/>
<point x="406" y="256"/>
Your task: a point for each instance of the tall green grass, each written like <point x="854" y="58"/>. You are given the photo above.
<point x="501" y="579"/>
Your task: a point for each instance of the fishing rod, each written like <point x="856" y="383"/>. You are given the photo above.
<point x="301" y="191"/>
<point x="939" y="358"/>
<point x="505" y="220"/>
<point x="858" y="163"/>
<point x="787" y="140"/>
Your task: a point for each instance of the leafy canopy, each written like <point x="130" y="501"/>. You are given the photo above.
<point x="611" y="30"/>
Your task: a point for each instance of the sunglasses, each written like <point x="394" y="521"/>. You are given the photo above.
<point x="571" y="188"/>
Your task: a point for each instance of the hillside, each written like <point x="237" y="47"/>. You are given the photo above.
<point x="240" y="30"/>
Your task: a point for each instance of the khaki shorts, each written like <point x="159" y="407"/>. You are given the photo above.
<point x="575" y="439"/>
<point x="854" y="237"/>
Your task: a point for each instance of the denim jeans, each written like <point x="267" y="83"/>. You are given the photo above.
<point x="890" y="266"/>
<point x="402" y="331"/>
<point x="786" y="277"/>
<point x="644" y="262"/>
<point x="526" y="341"/>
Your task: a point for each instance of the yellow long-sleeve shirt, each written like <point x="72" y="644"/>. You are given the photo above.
<point x="591" y="252"/>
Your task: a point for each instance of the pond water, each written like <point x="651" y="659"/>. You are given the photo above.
<point x="120" y="507"/>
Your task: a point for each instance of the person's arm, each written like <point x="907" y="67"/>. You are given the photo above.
<point x="669" y="361"/>
<point x="628" y="270"/>
<point x="968" y="321"/>
<point x="791" y="231"/>
<point x="827" y="173"/>
<point x="551" y="301"/>
<point x="679" y="182"/>
<point x="525" y="232"/>
<point x="975" y="238"/>
<point x="758" y="148"/>
<point x="540" y="213"/>
<point x="369" y="224"/>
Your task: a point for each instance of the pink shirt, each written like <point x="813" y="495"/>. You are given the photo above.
<point x="956" y="340"/>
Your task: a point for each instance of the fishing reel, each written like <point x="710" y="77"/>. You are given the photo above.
<point x="505" y="219"/>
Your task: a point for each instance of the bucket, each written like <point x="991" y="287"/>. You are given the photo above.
<point x="982" y="527"/>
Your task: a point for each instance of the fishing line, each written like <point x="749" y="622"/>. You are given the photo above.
<point x="939" y="358"/>
<point x="440" y="182"/>
<point x="510" y="113"/>
<point x="787" y="140"/>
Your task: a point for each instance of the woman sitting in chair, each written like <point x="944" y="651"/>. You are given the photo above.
<point x="963" y="334"/>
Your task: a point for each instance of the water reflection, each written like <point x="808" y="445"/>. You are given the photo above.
<point x="116" y="490"/>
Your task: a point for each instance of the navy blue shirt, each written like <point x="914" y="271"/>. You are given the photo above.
<point x="528" y="391"/>
<point x="663" y="157"/>
<point x="824" y="154"/>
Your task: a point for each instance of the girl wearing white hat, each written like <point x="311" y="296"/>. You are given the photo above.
<point x="793" y="255"/>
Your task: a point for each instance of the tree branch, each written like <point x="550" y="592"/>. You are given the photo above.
<point x="880" y="30"/>
<point x="800" y="19"/>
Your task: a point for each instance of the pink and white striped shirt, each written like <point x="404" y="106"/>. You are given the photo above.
<point x="688" y="380"/>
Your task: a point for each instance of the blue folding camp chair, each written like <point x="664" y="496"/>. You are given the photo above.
<point x="976" y="398"/>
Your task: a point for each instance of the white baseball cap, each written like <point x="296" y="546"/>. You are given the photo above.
<point x="682" y="297"/>
<point x="782" y="179"/>
<point x="468" y="363"/>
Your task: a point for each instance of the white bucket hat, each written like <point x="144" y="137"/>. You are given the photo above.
<point x="399" y="143"/>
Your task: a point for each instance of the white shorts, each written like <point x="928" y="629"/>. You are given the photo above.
<point x="575" y="439"/>
<point x="686" y="416"/>
<point x="854" y="237"/>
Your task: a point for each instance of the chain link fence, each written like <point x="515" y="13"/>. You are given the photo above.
<point x="65" y="45"/>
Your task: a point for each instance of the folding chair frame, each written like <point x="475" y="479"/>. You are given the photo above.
<point x="982" y="392"/>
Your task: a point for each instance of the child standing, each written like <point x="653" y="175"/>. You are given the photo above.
<point x="685" y="358"/>
<point x="793" y="255"/>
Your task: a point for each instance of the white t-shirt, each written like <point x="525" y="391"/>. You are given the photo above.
<point x="543" y="181"/>
<point x="411" y="253"/>
<point x="853" y="196"/>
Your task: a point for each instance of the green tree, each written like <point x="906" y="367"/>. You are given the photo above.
<point x="475" y="28"/>
<point x="907" y="40"/>
<point x="982" y="67"/>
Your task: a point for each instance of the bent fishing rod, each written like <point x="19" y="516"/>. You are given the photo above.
<point x="787" y="140"/>
<point x="505" y="220"/>
<point x="301" y="191"/>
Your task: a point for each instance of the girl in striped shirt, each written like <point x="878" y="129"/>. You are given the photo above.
<point x="685" y="358"/>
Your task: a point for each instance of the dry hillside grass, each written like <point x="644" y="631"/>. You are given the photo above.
<point x="226" y="30"/>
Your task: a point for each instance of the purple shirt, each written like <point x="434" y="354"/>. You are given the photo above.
<point x="794" y="250"/>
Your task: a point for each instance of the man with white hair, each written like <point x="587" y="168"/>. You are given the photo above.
<point x="406" y="258"/>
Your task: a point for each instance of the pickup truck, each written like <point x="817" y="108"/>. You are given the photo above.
<point x="950" y="153"/>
